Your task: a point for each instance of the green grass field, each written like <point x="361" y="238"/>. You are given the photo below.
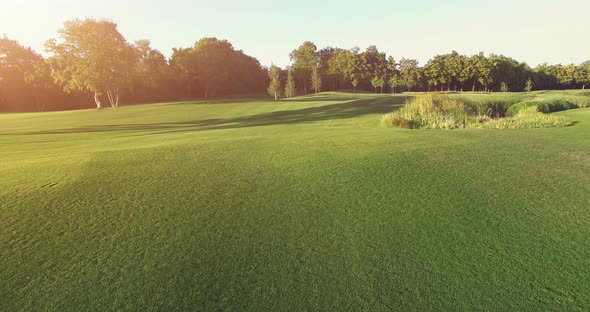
<point x="297" y="204"/>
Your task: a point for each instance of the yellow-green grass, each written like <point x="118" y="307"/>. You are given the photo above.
<point x="300" y="204"/>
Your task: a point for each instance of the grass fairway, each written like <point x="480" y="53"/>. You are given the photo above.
<point x="300" y="204"/>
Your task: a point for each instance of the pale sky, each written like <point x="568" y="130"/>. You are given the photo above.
<point x="533" y="31"/>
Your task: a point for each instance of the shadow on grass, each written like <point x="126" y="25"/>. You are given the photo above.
<point x="354" y="108"/>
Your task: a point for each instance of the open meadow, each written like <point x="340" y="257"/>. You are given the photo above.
<point x="303" y="203"/>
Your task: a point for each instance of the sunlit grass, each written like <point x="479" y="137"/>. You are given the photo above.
<point x="298" y="204"/>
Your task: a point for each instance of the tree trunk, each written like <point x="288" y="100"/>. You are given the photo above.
<point x="117" y="99"/>
<point x="275" y="95"/>
<point x="39" y="104"/>
<point x="111" y="99"/>
<point x="97" y="101"/>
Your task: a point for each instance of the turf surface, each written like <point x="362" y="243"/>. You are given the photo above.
<point x="301" y="204"/>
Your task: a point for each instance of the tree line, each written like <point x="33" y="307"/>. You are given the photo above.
<point x="91" y="64"/>
<point x="329" y="69"/>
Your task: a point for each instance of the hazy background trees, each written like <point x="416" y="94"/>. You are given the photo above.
<point x="92" y="63"/>
<point x="213" y="68"/>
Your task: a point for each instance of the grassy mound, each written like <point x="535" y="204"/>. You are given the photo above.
<point x="527" y="118"/>
<point x="551" y="104"/>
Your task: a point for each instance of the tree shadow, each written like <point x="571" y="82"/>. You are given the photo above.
<point x="352" y="109"/>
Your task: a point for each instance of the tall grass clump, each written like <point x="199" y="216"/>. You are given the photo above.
<point x="431" y="111"/>
<point x="527" y="118"/>
<point x="437" y="111"/>
<point x="495" y="105"/>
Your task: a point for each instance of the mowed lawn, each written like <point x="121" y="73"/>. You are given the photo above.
<point x="289" y="205"/>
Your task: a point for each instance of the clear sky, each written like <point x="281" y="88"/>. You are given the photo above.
<point x="535" y="31"/>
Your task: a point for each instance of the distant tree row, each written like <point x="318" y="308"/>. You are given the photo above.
<point x="336" y="69"/>
<point x="91" y="63"/>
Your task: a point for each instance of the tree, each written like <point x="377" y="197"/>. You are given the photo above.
<point x="213" y="57"/>
<point x="467" y="71"/>
<point x="348" y="64"/>
<point x="453" y="66"/>
<point x="92" y="55"/>
<point x="482" y="70"/>
<point x="377" y="82"/>
<point x="393" y="73"/>
<point x="41" y="84"/>
<point x="275" y="84"/>
<point x="435" y="71"/>
<point x="393" y="82"/>
<point x="410" y="75"/>
<point x="504" y="87"/>
<point x="304" y="59"/>
<point x="330" y="80"/>
<point x="212" y="67"/>
<point x="355" y="83"/>
<point x="290" y="86"/>
<point x="24" y="77"/>
<point x="152" y="77"/>
<point x="566" y="75"/>
<point x="528" y="86"/>
<point x="373" y="64"/>
<point x="316" y="79"/>
<point x="584" y="74"/>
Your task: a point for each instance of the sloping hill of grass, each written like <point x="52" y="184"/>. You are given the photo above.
<point x="299" y="204"/>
